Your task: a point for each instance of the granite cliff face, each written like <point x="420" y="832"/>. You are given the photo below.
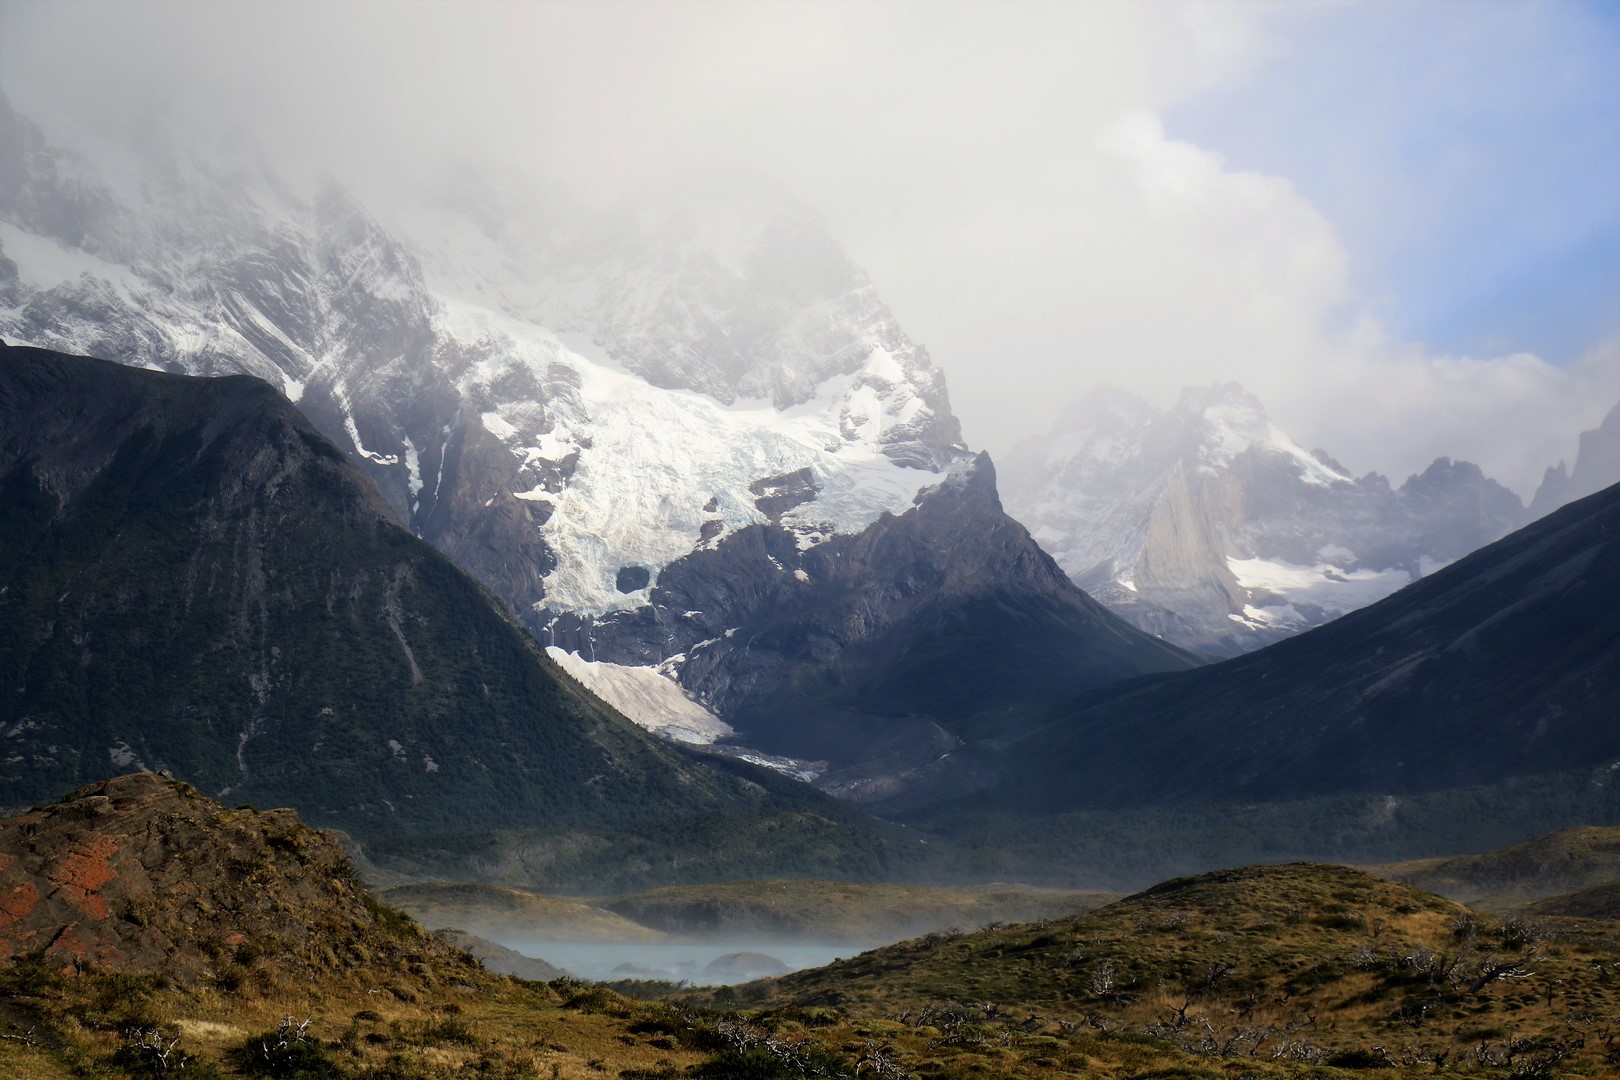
<point x="1209" y="526"/>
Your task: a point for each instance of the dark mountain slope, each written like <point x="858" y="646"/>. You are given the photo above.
<point x="1506" y="663"/>
<point x="192" y="578"/>
<point x="877" y="652"/>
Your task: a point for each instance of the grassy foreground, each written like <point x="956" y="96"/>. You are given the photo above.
<point x="1286" y="970"/>
<point x="146" y="931"/>
<point x="1294" y="971"/>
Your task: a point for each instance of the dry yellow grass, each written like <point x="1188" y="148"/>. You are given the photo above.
<point x="1295" y="966"/>
<point x="1297" y="971"/>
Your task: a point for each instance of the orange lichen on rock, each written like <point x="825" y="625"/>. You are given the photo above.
<point x="18" y="903"/>
<point x="82" y="873"/>
<point x="141" y="873"/>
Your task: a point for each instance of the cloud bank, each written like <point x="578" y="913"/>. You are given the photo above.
<point x="1009" y="173"/>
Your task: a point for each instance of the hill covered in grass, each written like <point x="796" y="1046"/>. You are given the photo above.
<point x="770" y="910"/>
<point x="501" y="911"/>
<point x="1305" y="964"/>
<point x="1541" y="867"/>
<point x="1595" y="902"/>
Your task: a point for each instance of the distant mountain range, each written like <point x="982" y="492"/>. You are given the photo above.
<point x="192" y="578"/>
<point x="1211" y="527"/>
<point x="691" y="451"/>
<point x="689" y="440"/>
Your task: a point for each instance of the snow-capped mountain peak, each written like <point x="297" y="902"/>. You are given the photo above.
<point x="1230" y="421"/>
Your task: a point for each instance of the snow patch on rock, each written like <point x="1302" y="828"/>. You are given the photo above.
<point x="652" y="700"/>
<point x="1323" y="585"/>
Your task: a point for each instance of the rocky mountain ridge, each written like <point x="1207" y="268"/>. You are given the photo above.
<point x="1596" y="466"/>
<point x="472" y="416"/>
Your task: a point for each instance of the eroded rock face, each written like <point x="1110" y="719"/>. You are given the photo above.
<point x="141" y="874"/>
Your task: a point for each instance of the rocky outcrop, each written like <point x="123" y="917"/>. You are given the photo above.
<point x="141" y="874"/>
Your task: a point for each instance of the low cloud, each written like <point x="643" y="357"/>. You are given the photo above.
<point x="1002" y="170"/>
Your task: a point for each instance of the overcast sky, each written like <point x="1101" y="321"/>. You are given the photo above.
<point x="1399" y="223"/>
